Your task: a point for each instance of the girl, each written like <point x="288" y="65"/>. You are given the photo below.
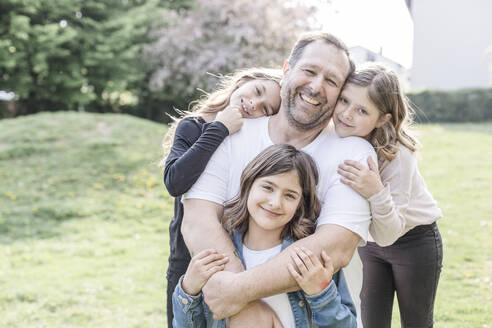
<point x="373" y="106"/>
<point x="246" y="94"/>
<point x="276" y="205"/>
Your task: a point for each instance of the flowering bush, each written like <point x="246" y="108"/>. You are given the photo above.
<point x="217" y="37"/>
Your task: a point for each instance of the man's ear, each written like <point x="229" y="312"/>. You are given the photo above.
<point x="383" y="119"/>
<point x="286" y="67"/>
<point x="285" y="70"/>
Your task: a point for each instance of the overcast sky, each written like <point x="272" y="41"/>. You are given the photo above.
<point x="373" y="24"/>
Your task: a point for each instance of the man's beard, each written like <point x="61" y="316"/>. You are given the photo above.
<point x="322" y="116"/>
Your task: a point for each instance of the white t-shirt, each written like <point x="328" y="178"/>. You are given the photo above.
<point x="341" y="205"/>
<point x="280" y="302"/>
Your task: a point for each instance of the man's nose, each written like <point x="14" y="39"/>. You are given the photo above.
<point x="316" y="84"/>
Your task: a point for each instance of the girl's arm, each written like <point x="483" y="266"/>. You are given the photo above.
<point x="388" y="196"/>
<point x="326" y="293"/>
<point x="334" y="307"/>
<point x="187" y="297"/>
<point x="192" y="148"/>
<point x="187" y="309"/>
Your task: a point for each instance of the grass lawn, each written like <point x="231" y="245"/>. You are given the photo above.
<point x="84" y="219"/>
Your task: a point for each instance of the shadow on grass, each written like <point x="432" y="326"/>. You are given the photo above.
<point x="469" y="127"/>
<point x="41" y="223"/>
<point x="20" y="152"/>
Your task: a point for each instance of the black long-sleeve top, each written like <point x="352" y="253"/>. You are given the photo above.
<point x="194" y="143"/>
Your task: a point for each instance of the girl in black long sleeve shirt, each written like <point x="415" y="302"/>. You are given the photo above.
<point x="246" y="94"/>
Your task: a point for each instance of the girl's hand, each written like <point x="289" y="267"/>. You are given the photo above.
<point x="311" y="275"/>
<point x="202" y="266"/>
<point x="231" y="117"/>
<point x="366" y="182"/>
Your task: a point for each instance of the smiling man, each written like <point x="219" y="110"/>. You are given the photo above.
<point x="313" y="78"/>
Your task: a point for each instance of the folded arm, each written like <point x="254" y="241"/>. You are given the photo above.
<point x="230" y="292"/>
<point x="202" y="229"/>
<point x="273" y="276"/>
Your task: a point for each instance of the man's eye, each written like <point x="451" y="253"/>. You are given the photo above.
<point x="309" y="72"/>
<point x="258" y="92"/>
<point x="330" y="81"/>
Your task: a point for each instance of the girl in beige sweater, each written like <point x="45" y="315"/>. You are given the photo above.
<point x="406" y="257"/>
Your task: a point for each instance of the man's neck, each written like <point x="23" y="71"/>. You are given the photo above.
<point x="282" y="132"/>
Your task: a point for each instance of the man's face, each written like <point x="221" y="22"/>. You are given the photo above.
<point x="310" y="89"/>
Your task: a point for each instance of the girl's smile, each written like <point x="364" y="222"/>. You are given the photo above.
<point x="272" y="213"/>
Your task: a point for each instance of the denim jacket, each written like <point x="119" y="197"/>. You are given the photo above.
<point x="333" y="307"/>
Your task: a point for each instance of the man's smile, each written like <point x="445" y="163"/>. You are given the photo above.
<point x="309" y="100"/>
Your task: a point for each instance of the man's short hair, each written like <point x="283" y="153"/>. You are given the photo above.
<point x="327" y="38"/>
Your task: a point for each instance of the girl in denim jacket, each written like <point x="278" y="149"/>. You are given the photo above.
<point x="276" y="205"/>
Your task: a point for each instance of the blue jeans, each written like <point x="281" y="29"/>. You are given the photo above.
<point x="410" y="268"/>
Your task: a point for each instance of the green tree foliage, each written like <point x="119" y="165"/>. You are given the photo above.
<point x="75" y="54"/>
<point x="466" y="105"/>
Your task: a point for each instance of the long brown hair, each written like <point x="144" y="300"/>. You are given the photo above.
<point x="385" y="92"/>
<point x="274" y="160"/>
<point x="218" y="100"/>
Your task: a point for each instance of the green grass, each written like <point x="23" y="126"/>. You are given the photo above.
<point x="84" y="219"/>
<point x="83" y="222"/>
<point x="456" y="164"/>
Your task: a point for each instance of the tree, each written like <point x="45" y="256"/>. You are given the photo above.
<point x="217" y="37"/>
<point x="74" y="54"/>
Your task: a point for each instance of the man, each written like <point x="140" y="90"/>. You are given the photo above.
<point x="313" y="78"/>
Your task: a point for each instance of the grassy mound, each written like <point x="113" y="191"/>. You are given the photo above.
<point x="83" y="222"/>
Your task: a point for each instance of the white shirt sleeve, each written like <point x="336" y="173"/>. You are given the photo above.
<point x="342" y="205"/>
<point x="212" y="184"/>
<point x="345" y="207"/>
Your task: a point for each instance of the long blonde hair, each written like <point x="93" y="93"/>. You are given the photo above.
<point x="274" y="160"/>
<point x="218" y="100"/>
<point x="385" y="92"/>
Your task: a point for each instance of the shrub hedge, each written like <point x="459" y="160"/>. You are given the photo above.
<point x="465" y="105"/>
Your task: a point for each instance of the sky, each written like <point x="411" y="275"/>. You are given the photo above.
<point x="373" y="24"/>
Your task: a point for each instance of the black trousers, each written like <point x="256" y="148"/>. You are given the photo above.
<point x="174" y="272"/>
<point x="410" y="268"/>
<point x="179" y="258"/>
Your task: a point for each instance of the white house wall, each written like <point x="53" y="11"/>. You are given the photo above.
<point x="452" y="44"/>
